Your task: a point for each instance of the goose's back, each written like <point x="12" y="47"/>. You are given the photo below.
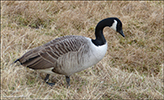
<point x="63" y="55"/>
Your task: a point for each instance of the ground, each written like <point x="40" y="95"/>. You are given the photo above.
<point x="132" y="67"/>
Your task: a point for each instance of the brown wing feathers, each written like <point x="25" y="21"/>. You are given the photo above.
<point x="46" y="55"/>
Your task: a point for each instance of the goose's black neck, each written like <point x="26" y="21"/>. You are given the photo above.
<point x="100" y="39"/>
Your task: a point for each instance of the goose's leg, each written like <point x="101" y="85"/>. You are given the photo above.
<point x="46" y="80"/>
<point x="68" y="80"/>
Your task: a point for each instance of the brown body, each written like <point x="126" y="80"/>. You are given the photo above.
<point x="61" y="54"/>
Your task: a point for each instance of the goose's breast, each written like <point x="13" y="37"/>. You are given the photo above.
<point x="96" y="53"/>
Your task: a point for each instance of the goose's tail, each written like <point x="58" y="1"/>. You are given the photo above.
<point x="16" y="60"/>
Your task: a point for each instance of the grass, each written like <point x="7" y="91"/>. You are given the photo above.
<point x="131" y="69"/>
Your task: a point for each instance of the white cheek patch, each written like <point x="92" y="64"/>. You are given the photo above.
<point x="114" y="25"/>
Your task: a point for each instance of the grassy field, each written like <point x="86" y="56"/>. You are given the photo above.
<point x="131" y="69"/>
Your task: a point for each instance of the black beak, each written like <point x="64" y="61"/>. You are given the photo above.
<point x="121" y="32"/>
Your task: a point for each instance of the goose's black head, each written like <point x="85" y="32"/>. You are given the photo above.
<point x="112" y="22"/>
<point x="117" y="26"/>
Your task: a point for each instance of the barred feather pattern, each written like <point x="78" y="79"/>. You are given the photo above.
<point x="65" y="55"/>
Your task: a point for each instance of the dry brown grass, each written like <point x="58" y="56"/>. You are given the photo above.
<point x="132" y="68"/>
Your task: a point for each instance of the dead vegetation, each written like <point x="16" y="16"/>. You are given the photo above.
<point x="132" y="68"/>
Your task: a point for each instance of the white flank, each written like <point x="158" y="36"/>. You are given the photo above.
<point x="47" y="70"/>
<point x="114" y="25"/>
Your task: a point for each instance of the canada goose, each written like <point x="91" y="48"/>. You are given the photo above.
<point x="70" y="54"/>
